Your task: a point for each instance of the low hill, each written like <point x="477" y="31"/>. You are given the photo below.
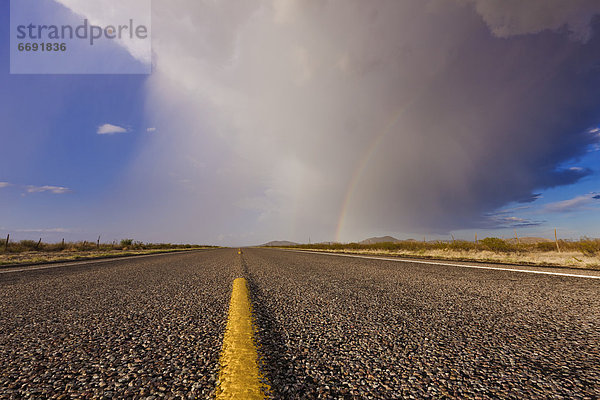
<point x="383" y="239"/>
<point x="278" y="243"/>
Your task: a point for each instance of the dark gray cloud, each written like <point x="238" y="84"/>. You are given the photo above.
<point x="492" y="127"/>
<point x="530" y="198"/>
<point x="505" y="218"/>
<point x="516" y="17"/>
<point x="286" y="118"/>
<point x="511" y="222"/>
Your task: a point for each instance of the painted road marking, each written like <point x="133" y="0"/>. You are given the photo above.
<point x="240" y="377"/>
<point x="450" y="264"/>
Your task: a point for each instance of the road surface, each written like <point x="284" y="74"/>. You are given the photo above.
<point x="326" y="327"/>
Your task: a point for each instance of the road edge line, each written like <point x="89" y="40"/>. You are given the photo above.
<point x="66" y="264"/>
<point x="447" y="264"/>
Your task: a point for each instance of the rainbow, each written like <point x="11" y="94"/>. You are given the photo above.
<point x="362" y="165"/>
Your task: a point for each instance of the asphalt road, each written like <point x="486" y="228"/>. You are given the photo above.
<point x="327" y="326"/>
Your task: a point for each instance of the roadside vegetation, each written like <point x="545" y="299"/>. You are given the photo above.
<point x="583" y="253"/>
<point x="31" y="251"/>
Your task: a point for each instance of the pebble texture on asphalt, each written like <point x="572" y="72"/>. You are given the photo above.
<point x="328" y="327"/>
<point x="338" y="327"/>
<point x="142" y="328"/>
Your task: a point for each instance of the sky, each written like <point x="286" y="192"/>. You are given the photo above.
<point x="334" y="120"/>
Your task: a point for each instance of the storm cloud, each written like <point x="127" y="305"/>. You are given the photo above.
<point x="339" y="119"/>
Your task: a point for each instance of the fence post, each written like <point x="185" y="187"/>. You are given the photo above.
<point x="39" y="243"/>
<point x="556" y="241"/>
<point x="98" y="242"/>
<point x="6" y="244"/>
<point x="63" y="243"/>
<point x="476" y="240"/>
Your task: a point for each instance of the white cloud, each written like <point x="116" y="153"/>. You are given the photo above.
<point x="152" y="129"/>
<point x="45" y="230"/>
<point x="574" y="204"/>
<point x="39" y="189"/>
<point x="51" y="189"/>
<point x="109" y="129"/>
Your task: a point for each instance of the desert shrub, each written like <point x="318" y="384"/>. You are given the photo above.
<point x="27" y="245"/>
<point x="32" y="245"/>
<point x="497" y="245"/>
<point x="462" y="245"/>
<point x="53" y="246"/>
<point x="588" y="247"/>
<point x="83" y="246"/>
<point x="545" y="246"/>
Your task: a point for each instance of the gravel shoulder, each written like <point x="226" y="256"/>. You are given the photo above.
<point x="570" y="260"/>
<point x="463" y="263"/>
<point x="34" y="258"/>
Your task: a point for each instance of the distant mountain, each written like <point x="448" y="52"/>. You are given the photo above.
<point x="383" y="239"/>
<point x="278" y="243"/>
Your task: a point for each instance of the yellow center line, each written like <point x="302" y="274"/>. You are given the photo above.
<point x="240" y="377"/>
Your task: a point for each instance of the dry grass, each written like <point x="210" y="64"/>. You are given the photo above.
<point x="565" y="259"/>
<point x="584" y="253"/>
<point x="72" y="254"/>
<point x="85" y="246"/>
